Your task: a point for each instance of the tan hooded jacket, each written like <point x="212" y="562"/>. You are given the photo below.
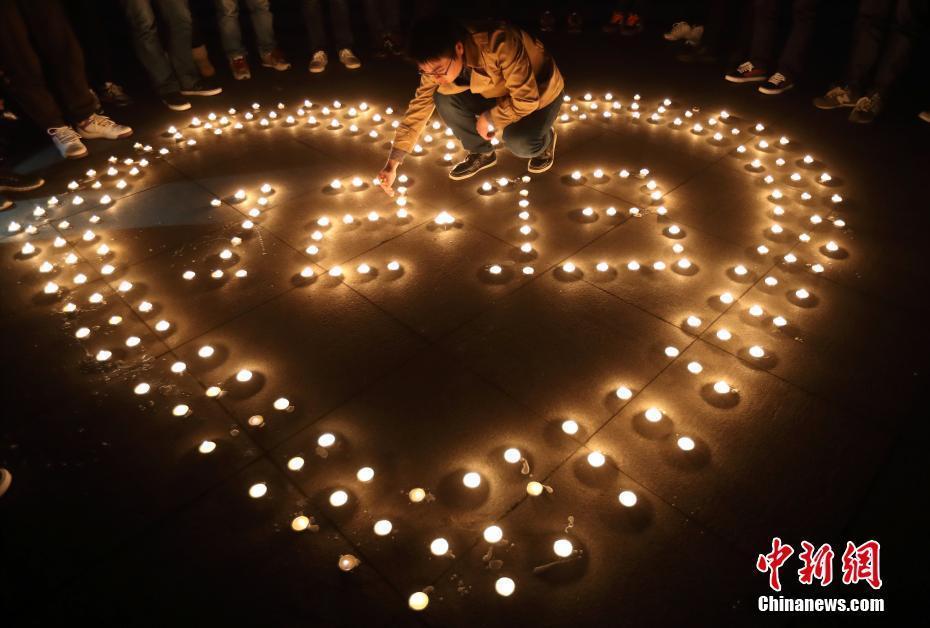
<point x="508" y="65"/>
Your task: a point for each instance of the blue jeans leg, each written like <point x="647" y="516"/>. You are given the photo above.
<point x="263" y="24"/>
<point x="459" y="112"/>
<point x="148" y="46"/>
<point x="227" y="19"/>
<point x="177" y="17"/>
<point x="530" y="136"/>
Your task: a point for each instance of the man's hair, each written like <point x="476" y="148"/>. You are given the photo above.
<point x="433" y="37"/>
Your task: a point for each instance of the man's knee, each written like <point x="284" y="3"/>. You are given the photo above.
<point x="523" y="144"/>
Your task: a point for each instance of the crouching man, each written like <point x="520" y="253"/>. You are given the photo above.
<point x="484" y="83"/>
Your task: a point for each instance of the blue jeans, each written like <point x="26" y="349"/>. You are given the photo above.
<point x="227" y="15"/>
<point x="527" y="137"/>
<point x="316" y="31"/>
<point x="174" y="70"/>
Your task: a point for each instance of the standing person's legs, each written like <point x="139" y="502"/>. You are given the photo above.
<point x="227" y="18"/>
<point x="792" y="58"/>
<point x="24" y="70"/>
<point x="390" y="17"/>
<point x="460" y="112"/>
<point x="531" y="135"/>
<point x="148" y="46"/>
<point x="871" y="26"/>
<point x="313" y="18"/>
<point x="375" y="20"/>
<point x="764" y="28"/>
<point x="263" y="23"/>
<point x="342" y="27"/>
<point x="88" y="26"/>
<point x="56" y="42"/>
<point x="910" y="20"/>
<point x="177" y="17"/>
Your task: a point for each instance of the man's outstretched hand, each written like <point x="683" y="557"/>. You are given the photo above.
<point x="387" y="175"/>
<point x="483" y="126"/>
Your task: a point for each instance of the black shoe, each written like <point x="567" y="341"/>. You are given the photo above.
<point x="837" y="97"/>
<point x="776" y="84"/>
<point x="176" y="101"/>
<point x="472" y="164"/>
<point x="113" y="94"/>
<point x="13" y="182"/>
<point x="542" y="162"/>
<point x="5" y="203"/>
<point x="867" y="109"/>
<point x="203" y="87"/>
<point x="547" y="22"/>
<point x="746" y="72"/>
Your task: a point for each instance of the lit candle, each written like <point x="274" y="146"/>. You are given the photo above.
<point x="563" y="548"/>
<point x="493" y="534"/>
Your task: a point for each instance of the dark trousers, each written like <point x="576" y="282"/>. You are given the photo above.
<point x="765" y="29"/>
<point x="727" y="29"/>
<point x="341" y="29"/>
<point x="885" y="34"/>
<point x="29" y="28"/>
<point x="383" y="18"/>
<point x="87" y="21"/>
<point x="527" y="137"/>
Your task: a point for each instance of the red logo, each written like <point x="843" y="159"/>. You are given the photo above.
<point x="859" y="563"/>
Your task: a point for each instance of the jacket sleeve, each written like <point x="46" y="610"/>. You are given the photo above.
<point x="522" y="96"/>
<point x="418" y="114"/>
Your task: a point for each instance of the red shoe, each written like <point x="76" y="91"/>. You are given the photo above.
<point x="632" y="26"/>
<point x="746" y="72"/>
<point x="614" y="23"/>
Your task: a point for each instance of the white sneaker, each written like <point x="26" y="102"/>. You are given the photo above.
<point x="318" y="62"/>
<point x="98" y="126"/>
<point x="67" y="142"/>
<point x="694" y="37"/>
<point x="348" y="59"/>
<point x="680" y="30"/>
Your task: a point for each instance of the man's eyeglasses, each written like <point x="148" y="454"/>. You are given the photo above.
<point x="438" y="72"/>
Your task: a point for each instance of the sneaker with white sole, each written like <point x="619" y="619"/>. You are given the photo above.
<point x="679" y="31"/>
<point x="471" y="165"/>
<point x="839" y="96"/>
<point x="175" y="101"/>
<point x="544" y="161"/>
<point x="867" y="109"/>
<point x="203" y="87"/>
<point x="924" y="115"/>
<point x="240" y="68"/>
<point x="318" y="61"/>
<point x="5" y="203"/>
<point x="348" y="59"/>
<point x="777" y="84"/>
<point x="102" y="127"/>
<point x="68" y="142"/>
<point x="746" y="72"/>
<point x="694" y="37"/>
<point x="275" y="60"/>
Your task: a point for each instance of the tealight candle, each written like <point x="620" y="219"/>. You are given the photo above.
<point x="439" y="547"/>
<point x="563" y="548"/>
<point x="493" y="534"/>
